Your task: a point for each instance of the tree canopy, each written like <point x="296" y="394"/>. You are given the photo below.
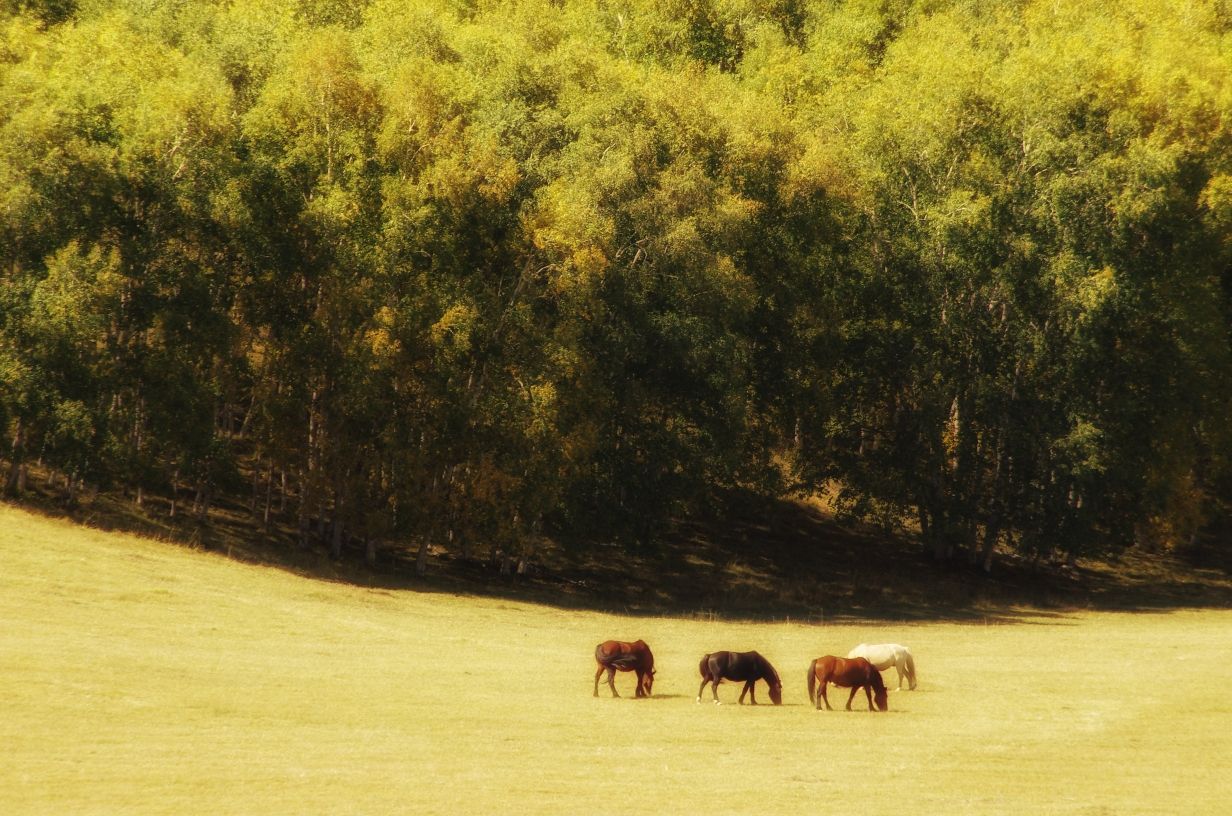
<point x="467" y="273"/>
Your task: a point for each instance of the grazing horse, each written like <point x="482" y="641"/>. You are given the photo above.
<point x="885" y="655"/>
<point x="616" y="655"/>
<point x="855" y="674"/>
<point x="747" y="666"/>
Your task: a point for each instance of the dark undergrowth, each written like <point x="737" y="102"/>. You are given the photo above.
<point x="760" y="558"/>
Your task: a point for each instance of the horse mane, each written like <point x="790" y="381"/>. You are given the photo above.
<point x="769" y="669"/>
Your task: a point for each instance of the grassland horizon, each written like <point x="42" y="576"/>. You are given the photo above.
<point x="142" y="677"/>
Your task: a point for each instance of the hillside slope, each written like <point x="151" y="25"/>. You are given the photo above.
<point x="758" y="558"/>
<point x="771" y="557"/>
<point x="145" y="678"/>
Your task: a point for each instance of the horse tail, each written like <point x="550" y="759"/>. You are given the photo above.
<point x="600" y="654"/>
<point x="910" y="661"/>
<point x="704" y="667"/>
<point x="812" y="682"/>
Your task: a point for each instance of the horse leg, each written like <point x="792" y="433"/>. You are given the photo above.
<point x="868" y="692"/>
<point x="639" y="693"/>
<point x="821" y="694"/>
<point x="702" y="688"/>
<point x="611" y="680"/>
<point x="598" y="674"/>
<point x="899" y="668"/>
<point x="852" y="696"/>
<point x="753" y="692"/>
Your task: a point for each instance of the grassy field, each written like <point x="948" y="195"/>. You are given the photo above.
<point x="142" y="677"/>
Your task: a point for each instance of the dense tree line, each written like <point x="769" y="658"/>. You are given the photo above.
<point x="472" y="272"/>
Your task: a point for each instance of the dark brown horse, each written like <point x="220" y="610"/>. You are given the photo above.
<point x="855" y="673"/>
<point x="747" y="666"/>
<point x="616" y="655"/>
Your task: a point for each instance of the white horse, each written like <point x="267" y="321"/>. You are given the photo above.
<point x="885" y="655"/>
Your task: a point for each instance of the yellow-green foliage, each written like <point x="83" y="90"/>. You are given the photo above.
<point x="139" y="677"/>
<point x="620" y="255"/>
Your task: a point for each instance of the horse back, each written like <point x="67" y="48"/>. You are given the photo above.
<point x="844" y="671"/>
<point x="625" y="656"/>
<point x="861" y="671"/>
<point x="743" y="666"/>
<point x="881" y="655"/>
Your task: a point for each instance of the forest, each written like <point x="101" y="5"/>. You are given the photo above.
<point x="478" y="274"/>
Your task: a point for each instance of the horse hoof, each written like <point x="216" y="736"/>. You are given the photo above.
<point x="718" y="702"/>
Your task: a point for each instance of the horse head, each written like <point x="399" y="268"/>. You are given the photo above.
<point x="776" y="693"/>
<point x="879" y="697"/>
<point x="879" y="691"/>
<point x="648" y="681"/>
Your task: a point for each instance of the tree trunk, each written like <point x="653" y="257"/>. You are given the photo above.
<point x="201" y="504"/>
<point x="13" y="481"/>
<point x="256" y="489"/>
<point x="269" y="497"/>
<point x="303" y="521"/>
<point x="335" y="545"/>
<point x="421" y="558"/>
<point x="992" y="524"/>
<point x="338" y="533"/>
<point x="991" y="533"/>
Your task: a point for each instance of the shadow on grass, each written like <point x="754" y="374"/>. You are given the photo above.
<point x="761" y="560"/>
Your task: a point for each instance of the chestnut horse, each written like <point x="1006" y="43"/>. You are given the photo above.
<point x="617" y="655"/>
<point x="747" y="666"/>
<point x="855" y="674"/>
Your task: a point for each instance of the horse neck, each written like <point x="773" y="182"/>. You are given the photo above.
<point x="767" y="671"/>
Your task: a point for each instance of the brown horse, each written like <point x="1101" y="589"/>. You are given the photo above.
<point x="616" y="655"/>
<point x="747" y="666"/>
<point x="855" y="673"/>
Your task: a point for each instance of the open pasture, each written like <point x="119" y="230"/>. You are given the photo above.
<point x="140" y="677"/>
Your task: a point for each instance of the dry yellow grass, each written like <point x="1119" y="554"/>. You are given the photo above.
<point x="140" y="677"/>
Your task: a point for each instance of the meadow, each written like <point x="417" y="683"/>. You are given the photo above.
<point x="144" y="677"/>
